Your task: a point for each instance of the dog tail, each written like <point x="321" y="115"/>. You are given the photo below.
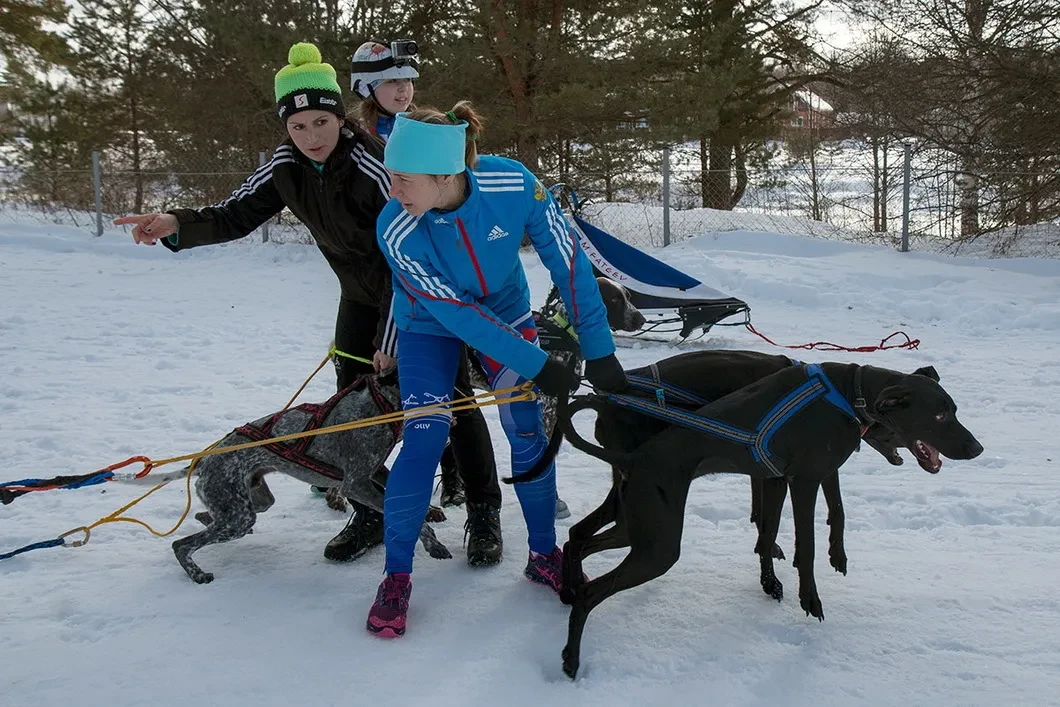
<point x="547" y="456"/>
<point x="565" y="411"/>
<point x="151" y="479"/>
<point x="565" y="420"/>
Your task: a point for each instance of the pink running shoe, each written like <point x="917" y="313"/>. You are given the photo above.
<point x="546" y="569"/>
<point x="386" y="618"/>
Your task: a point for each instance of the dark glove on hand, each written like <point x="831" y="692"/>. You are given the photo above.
<point x="556" y="379"/>
<point x="606" y="374"/>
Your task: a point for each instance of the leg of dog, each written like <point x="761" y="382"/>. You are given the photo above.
<point x="333" y="497"/>
<point x="580" y="533"/>
<point x="261" y="499"/>
<point x="772" y="493"/>
<point x="803" y="501"/>
<point x="756" y="514"/>
<point x="837" y="554"/>
<point x="548" y="414"/>
<point x="222" y="486"/>
<point x="655" y="526"/>
<point x="756" y="502"/>
<point x="611" y="539"/>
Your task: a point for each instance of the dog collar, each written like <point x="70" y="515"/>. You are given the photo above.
<point x="861" y="408"/>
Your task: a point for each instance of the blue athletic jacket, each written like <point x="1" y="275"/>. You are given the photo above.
<point x="384" y="125"/>
<point x="458" y="273"/>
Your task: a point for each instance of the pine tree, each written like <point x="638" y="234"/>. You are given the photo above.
<point x="22" y="29"/>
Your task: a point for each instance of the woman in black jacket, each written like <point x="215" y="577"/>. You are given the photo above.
<point x="330" y="175"/>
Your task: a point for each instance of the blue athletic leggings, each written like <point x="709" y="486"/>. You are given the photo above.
<point x="427" y="366"/>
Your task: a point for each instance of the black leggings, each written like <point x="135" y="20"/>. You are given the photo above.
<point x="469" y="439"/>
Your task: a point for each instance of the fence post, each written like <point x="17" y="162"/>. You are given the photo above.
<point x="666" y="195"/>
<point x="264" y="226"/>
<point x="97" y="186"/>
<point x="907" y="146"/>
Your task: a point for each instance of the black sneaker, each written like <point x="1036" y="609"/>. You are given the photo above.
<point x="363" y="532"/>
<point x="482" y="533"/>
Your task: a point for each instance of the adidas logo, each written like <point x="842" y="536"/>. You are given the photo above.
<point x="496" y="233"/>
<point x="440" y="220"/>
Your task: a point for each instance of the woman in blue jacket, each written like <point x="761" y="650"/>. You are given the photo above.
<point x="385" y="84"/>
<point x="451" y="234"/>
<point x="383" y="81"/>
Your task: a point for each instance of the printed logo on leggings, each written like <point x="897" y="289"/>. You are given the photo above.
<point x="496" y="234"/>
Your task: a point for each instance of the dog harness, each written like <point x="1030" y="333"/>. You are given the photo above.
<point x="294" y="450"/>
<point x="817" y="385"/>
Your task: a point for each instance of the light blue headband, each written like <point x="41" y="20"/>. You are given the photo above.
<point x="425" y="148"/>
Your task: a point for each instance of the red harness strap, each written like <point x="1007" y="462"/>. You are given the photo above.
<point x="294" y="451"/>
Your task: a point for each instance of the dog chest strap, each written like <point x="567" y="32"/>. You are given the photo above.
<point x="660" y="393"/>
<point x="861" y="408"/>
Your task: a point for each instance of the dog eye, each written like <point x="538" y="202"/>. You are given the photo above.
<point x="942" y="416"/>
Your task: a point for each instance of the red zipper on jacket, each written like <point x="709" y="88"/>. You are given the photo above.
<point x="474" y="258"/>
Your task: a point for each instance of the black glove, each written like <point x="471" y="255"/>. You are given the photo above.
<point x="606" y="374"/>
<point x="556" y="379"/>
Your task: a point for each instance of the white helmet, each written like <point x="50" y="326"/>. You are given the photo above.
<point x="375" y="62"/>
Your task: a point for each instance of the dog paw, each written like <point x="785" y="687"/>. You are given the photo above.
<point x="570" y="663"/>
<point x="202" y="577"/>
<point x="204" y="517"/>
<point x="335" y="500"/>
<point x="435" y="515"/>
<point x="440" y="552"/>
<point x="837" y="557"/>
<point x="811" y="604"/>
<point x="773" y="587"/>
<point x="778" y="554"/>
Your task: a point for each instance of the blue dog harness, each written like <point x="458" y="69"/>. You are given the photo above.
<point x="817" y="385"/>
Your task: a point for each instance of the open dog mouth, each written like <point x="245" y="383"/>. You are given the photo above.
<point x="927" y="456"/>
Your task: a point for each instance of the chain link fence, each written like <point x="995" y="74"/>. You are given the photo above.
<point x="835" y="198"/>
<point x="90" y="199"/>
<point x="838" y="198"/>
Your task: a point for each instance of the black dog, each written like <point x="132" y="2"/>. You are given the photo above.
<point x="711" y="375"/>
<point x="707" y="375"/>
<point x="810" y="443"/>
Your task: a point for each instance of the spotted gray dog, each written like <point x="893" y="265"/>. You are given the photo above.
<point x="232" y="487"/>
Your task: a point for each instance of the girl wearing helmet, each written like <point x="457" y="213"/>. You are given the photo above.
<point x="383" y="82"/>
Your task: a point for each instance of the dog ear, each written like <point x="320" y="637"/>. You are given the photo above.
<point x="893" y="397"/>
<point x="928" y="371"/>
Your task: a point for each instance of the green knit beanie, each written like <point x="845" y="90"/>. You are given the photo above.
<point x="306" y="83"/>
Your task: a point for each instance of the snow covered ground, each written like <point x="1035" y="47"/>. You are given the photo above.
<point x="110" y="350"/>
